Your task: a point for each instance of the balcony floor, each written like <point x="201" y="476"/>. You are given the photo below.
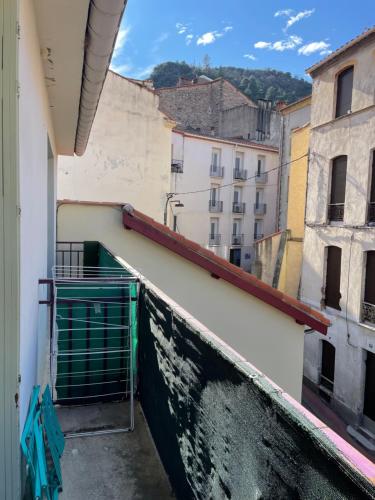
<point x="111" y="467"/>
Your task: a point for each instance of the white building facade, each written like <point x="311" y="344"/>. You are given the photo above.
<point x="339" y="249"/>
<point x="231" y="189"/>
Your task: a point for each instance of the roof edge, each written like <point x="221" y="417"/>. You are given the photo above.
<point x="221" y="268"/>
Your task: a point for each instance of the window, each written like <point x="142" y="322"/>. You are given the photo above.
<point x="236" y="227"/>
<point x="239" y="162"/>
<point x="214" y="193"/>
<point x="237" y="195"/>
<point x="258" y="229"/>
<point x="216" y="158"/>
<point x="333" y="277"/>
<point x="369" y="396"/>
<point x="338" y="182"/>
<point x="258" y="197"/>
<point x="261" y="165"/>
<point x="214" y="227"/>
<point x="235" y="256"/>
<point x="371" y="203"/>
<point x="344" y="92"/>
<point x="368" y="307"/>
<point x="327" y="373"/>
<point x="175" y="223"/>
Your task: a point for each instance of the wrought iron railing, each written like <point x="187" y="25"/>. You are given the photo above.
<point x="214" y="239"/>
<point x="326" y="382"/>
<point x="237" y="239"/>
<point x="258" y="236"/>
<point x="239" y="174"/>
<point x="239" y="207"/>
<point x="215" y="206"/>
<point x="261" y="178"/>
<point x="177" y="166"/>
<point x="371" y="212"/>
<point x="216" y="171"/>
<point x="260" y="208"/>
<point x="336" y="211"/>
<point x="368" y="312"/>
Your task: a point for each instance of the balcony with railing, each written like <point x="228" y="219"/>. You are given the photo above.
<point x="216" y="171"/>
<point x="214" y="239"/>
<point x="215" y="206"/>
<point x="237" y="239"/>
<point x="371" y="213"/>
<point x="177" y="166"/>
<point x="260" y="208"/>
<point x="239" y="174"/>
<point x="238" y="207"/>
<point x="368" y="312"/>
<point x="261" y="178"/>
<point x="336" y="212"/>
<point x="258" y="236"/>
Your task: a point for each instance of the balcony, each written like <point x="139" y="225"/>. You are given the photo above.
<point x="371" y="213"/>
<point x="238" y="207"/>
<point x="177" y="166"/>
<point x="258" y="236"/>
<point x="215" y="206"/>
<point x="336" y="212"/>
<point x="368" y="312"/>
<point x="239" y="174"/>
<point x="261" y="178"/>
<point x="216" y="171"/>
<point x="237" y="239"/>
<point x="214" y="240"/>
<point x="260" y="208"/>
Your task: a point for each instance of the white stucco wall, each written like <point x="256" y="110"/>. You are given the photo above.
<point x="34" y="129"/>
<point x="128" y="157"/>
<point x="269" y="339"/>
<point x="352" y="135"/>
<point x="194" y="218"/>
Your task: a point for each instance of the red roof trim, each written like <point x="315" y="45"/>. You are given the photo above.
<point x="222" y="269"/>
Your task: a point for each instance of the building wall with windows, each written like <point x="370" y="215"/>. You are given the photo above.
<point x="228" y="212"/>
<point x="340" y="214"/>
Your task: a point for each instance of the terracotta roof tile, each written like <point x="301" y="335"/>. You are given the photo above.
<point x="221" y="268"/>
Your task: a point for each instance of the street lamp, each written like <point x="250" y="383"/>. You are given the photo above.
<point x="177" y="203"/>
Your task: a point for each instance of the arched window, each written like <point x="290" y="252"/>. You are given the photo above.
<point x="344" y="91"/>
<point x="333" y="277"/>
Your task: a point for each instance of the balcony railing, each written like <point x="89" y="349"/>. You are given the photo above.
<point x="214" y="239"/>
<point x="239" y="174"/>
<point x="336" y="211"/>
<point x="237" y="239"/>
<point x="260" y="208"/>
<point x="215" y="206"/>
<point x="216" y="171"/>
<point x="177" y="166"/>
<point x="239" y="207"/>
<point x="261" y="178"/>
<point x="326" y="382"/>
<point x="258" y="236"/>
<point x="371" y="213"/>
<point x="368" y="312"/>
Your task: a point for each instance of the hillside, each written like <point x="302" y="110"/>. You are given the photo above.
<point x="256" y="83"/>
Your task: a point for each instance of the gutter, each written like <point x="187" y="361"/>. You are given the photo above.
<point x="103" y="24"/>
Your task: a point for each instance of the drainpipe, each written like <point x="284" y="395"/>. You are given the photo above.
<point x="279" y="175"/>
<point x="103" y="23"/>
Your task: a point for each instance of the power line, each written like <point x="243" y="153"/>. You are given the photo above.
<point x="236" y="182"/>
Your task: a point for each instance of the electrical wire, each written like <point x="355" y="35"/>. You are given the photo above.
<point x="236" y="182"/>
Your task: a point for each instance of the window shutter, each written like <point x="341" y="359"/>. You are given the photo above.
<point x="370" y="278"/>
<point x="333" y="276"/>
<point x="344" y="92"/>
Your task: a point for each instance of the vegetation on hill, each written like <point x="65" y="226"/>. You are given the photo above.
<point x="255" y="83"/>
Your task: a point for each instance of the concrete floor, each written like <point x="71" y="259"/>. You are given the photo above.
<point x="110" y="467"/>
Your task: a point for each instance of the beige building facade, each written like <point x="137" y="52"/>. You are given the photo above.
<point x="339" y="246"/>
<point x="129" y="151"/>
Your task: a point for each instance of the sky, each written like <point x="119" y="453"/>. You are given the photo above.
<point x="280" y="34"/>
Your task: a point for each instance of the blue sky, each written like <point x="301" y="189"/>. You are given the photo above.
<point x="285" y="35"/>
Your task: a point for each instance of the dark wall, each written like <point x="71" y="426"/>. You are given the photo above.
<point x="220" y="433"/>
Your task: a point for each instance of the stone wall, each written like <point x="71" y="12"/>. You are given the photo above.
<point x="224" y="431"/>
<point x="199" y="106"/>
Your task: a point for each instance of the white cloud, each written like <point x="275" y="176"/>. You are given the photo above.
<point x="189" y="39"/>
<point x="181" y="28"/>
<point x="120" y="68"/>
<point x="284" y="12"/>
<point x="250" y="56"/>
<point x="311" y="48"/>
<point x="300" y="15"/>
<point x="121" y="39"/>
<point x="228" y="28"/>
<point x="207" y="38"/>
<point x="143" y="73"/>
<point x="280" y="45"/>
<point x="262" y="45"/>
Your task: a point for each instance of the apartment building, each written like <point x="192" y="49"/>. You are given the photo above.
<point x="228" y="192"/>
<point x="339" y="249"/>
